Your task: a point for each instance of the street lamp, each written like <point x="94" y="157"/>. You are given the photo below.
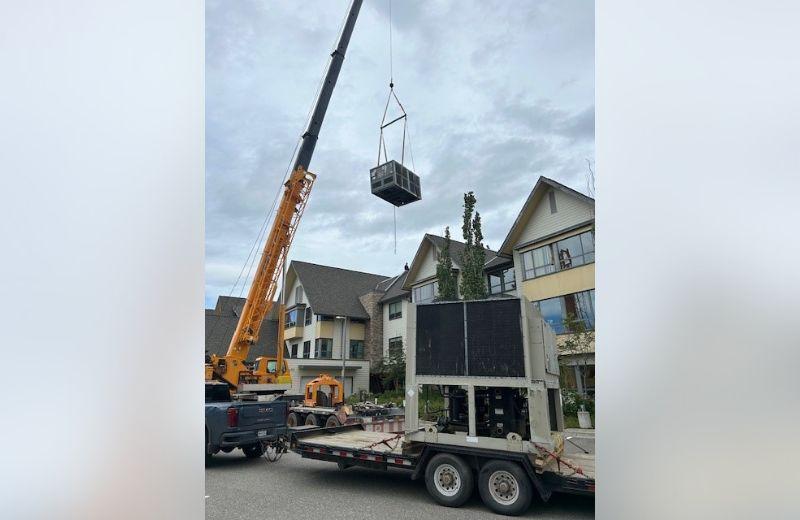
<point x="344" y="356"/>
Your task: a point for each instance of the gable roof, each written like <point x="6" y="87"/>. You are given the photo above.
<point x="221" y="323"/>
<point x="456" y="251"/>
<point x="538" y="191"/>
<point x="395" y="289"/>
<point x="335" y="291"/>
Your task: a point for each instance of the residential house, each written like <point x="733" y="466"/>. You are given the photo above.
<point x="551" y="244"/>
<point x="421" y="277"/>
<point x="395" y="311"/>
<point x="333" y="322"/>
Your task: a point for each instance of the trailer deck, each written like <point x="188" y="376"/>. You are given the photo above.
<point x="351" y="445"/>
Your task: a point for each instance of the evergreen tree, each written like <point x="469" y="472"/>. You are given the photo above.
<point x="444" y="271"/>
<point x="474" y="256"/>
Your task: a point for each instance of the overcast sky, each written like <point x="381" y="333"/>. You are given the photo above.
<point x="497" y="94"/>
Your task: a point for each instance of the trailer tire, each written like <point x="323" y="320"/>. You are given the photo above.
<point x="505" y="487"/>
<point x="292" y="420"/>
<point x="332" y="422"/>
<point x="449" y="480"/>
<point x="253" y="451"/>
<point x="311" y="420"/>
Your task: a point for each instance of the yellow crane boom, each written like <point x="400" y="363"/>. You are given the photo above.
<point x="231" y="367"/>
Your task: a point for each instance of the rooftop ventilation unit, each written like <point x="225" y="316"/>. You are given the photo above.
<point x="395" y="183"/>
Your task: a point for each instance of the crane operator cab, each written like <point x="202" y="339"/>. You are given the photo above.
<point x="267" y="366"/>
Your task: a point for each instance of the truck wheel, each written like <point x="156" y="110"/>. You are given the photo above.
<point x="292" y="420"/>
<point x="311" y="420"/>
<point x="449" y="480"/>
<point x="209" y="453"/>
<point x="505" y="488"/>
<point x="253" y="451"/>
<point x="332" y="422"/>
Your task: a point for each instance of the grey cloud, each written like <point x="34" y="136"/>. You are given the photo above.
<point x="497" y="93"/>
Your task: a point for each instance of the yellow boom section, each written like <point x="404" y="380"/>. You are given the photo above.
<point x="231" y="368"/>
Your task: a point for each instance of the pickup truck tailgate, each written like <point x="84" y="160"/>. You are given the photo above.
<point x="262" y="415"/>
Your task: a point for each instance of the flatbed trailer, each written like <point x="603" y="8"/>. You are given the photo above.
<point x="507" y="480"/>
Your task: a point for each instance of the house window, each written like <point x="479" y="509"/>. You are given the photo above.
<point x="298" y="294"/>
<point x="425" y="293"/>
<point x="502" y="282"/>
<point x="323" y="348"/>
<point x="395" y="346"/>
<point x="290" y="319"/>
<point x="309" y="315"/>
<point x="564" y="254"/>
<point x="551" y="195"/>
<point x="356" y="349"/>
<point x="395" y="310"/>
<point x="578" y="306"/>
<point x="294" y="350"/>
<point x="306" y="349"/>
<point x="324" y="317"/>
<point x="576" y="250"/>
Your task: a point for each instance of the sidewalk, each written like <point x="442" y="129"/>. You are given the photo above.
<point x="586" y="433"/>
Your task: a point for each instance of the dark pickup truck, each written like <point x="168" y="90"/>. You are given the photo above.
<point x="233" y="423"/>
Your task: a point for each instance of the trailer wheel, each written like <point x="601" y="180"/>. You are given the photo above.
<point x="292" y="420"/>
<point x="253" y="451"/>
<point x="311" y="420"/>
<point x="505" y="488"/>
<point x="332" y="422"/>
<point x="449" y="480"/>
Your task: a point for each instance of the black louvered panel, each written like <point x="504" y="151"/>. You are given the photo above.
<point x="494" y="339"/>
<point x="440" y="339"/>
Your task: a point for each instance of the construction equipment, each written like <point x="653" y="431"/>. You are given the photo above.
<point x="272" y="374"/>
<point x="323" y="405"/>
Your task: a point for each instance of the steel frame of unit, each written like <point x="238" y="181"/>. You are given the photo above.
<point x="537" y="339"/>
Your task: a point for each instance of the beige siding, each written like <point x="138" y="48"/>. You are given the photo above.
<point x="427" y="268"/>
<point x="290" y="301"/>
<point x="571" y="211"/>
<point x="394" y="328"/>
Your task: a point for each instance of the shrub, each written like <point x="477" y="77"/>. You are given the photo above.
<point x="572" y="402"/>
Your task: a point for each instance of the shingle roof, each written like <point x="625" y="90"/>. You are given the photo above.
<point x="498" y="261"/>
<point x="335" y="291"/>
<point x="457" y="249"/>
<point x="221" y="323"/>
<point x="395" y="289"/>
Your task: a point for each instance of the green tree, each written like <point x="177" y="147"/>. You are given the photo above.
<point x="474" y="255"/>
<point x="444" y="271"/>
<point x="392" y="370"/>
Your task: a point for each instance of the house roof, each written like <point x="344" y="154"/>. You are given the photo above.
<point x="456" y="251"/>
<point x="335" y="291"/>
<point x="395" y="289"/>
<point x="538" y="191"/>
<point x="221" y="323"/>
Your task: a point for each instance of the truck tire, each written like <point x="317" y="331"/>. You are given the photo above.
<point x="449" y="480"/>
<point x="311" y="420"/>
<point x="209" y="453"/>
<point x="332" y="422"/>
<point x="253" y="451"/>
<point x="292" y="420"/>
<point x="505" y="487"/>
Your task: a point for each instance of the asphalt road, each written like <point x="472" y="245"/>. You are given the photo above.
<point x="238" y="488"/>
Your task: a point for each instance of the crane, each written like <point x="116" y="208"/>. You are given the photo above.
<point x="273" y="372"/>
